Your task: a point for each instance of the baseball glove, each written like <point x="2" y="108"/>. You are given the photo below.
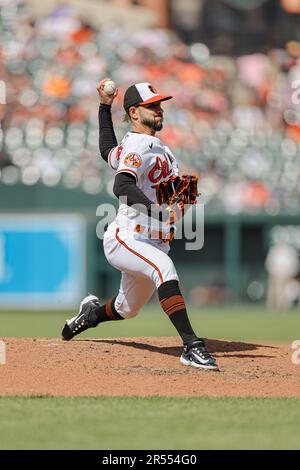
<point x="178" y="190"/>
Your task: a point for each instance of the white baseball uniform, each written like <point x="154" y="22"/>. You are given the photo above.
<point x="131" y="242"/>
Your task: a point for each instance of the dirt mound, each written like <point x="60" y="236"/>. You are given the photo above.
<point x="143" y="367"/>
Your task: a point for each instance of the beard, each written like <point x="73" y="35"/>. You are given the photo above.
<point x="152" y="124"/>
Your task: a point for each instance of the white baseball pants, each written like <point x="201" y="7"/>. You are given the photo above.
<point x="144" y="265"/>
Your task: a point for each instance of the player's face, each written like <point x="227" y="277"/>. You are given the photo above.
<point x="152" y="116"/>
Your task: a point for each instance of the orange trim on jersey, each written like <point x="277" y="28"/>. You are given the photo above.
<point x="128" y="171"/>
<point x="140" y="256"/>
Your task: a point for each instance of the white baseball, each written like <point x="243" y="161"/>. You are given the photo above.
<point x="109" y="87"/>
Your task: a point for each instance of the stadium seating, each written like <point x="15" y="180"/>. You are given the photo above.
<point x="241" y="137"/>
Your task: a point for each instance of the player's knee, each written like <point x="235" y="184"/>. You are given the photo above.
<point x="167" y="273"/>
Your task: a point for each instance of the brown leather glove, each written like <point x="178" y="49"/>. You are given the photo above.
<point x="178" y="190"/>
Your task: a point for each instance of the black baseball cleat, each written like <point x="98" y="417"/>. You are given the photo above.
<point x="86" y="318"/>
<point x="196" y="355"/>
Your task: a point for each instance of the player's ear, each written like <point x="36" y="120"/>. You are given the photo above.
<point x="133" y="113"/>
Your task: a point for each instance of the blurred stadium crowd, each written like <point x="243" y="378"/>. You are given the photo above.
<point x="233" y="121"/>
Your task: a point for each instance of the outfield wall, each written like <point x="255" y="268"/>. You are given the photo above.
<point x="230" y="265"/>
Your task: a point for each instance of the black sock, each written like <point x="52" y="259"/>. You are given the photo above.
<point x="173" y="305"/>
<point x="107" y="312"/>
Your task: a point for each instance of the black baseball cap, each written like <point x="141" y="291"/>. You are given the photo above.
<point x="142" y="94"/>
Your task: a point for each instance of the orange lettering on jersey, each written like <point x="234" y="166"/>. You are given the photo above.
<point x="160" y="170"/>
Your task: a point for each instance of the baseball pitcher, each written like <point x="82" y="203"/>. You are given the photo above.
<point x="137" y="242"/>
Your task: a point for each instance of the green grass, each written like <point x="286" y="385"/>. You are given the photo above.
<point x="237" y="323"/>
<point x="149" y="423"/>
<point x="154" y="423"/>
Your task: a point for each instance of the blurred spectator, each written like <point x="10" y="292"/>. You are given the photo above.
<point x="57" y="87"/>
<point x="213" y="293"/>
<point x="282" y="266"/>
<point x="235" y="123"/>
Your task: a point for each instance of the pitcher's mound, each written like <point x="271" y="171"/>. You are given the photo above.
<point x="143" y="367"/>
